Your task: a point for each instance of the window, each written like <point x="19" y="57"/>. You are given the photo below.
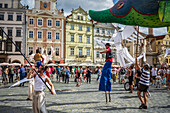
<point x="9" y="32"/>
<point x="31" y="21"/>
<point x="39" y="34"/>
<point x="71" y="51"/>
<point x="18" y="33"/>
<point x="30" y="50"/>
<point x="31" y="34"/>
<point x="108" y="32"/>
<point x="57" y="23"/>
<point x="80" y="38"/>
<point x="0" y="5"/>
<point x="39" y="48"/>
<point x="81" y="17"/>
<point x="97" y="30"/>
<point x="40" y="22"/>
<point x="103" y="55"/>
<point x="80" y="52"/>
<point x="78" y="17"/>
<point x="49" y="35"/>
<point x="88" y="39"/>
<point x="49" y="22"/>
<point x="19" y="46"/>
<point x="57" y="52"/>
<point x="97" y="54"/>
<point x="9" y="46"/>
<point x="49" y="51"/>
<point x="72" y="38"/>
<point x="6" y="6"/>
<point x="72" y="27"/>
<point x="128" y="48"/>
<point x="57" y="36"/>
<point x="88" y="52"/>
<point x="19" y="18"/>
<point x="1" y="16"/>
<point x="80" y="28"/>
<point x="88" y="28"/>
<point x="10" y="17"/>
<point x="103" y="31"/>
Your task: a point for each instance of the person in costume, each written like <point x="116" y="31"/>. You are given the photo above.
<point x="38" y="57"/>
<point x="105" y="83"/>
<point x="38" y="102"/>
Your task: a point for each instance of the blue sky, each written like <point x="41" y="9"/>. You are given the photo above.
<point x="87" y="5"/>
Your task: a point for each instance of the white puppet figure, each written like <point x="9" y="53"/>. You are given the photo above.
<point x="122" y="52"/>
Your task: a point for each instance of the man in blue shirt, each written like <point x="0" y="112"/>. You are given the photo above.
<point x="22" y="74"/>
<point x="67" y="75"/>
<point x="58" y="73"/>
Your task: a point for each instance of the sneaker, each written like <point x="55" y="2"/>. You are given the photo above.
<point x="145" y="107"/>
<point x="141" y="106"/>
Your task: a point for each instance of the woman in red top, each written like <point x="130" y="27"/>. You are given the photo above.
<point x="48" y="72"/>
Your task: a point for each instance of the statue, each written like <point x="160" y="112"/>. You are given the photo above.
<point x="148" y="47"/>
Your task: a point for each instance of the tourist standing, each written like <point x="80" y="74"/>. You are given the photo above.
<point x="114" y="70"/>
<point x="122" y="74"/>
<point x="154" y="74"/>
<point x="99" y="71"/>
<point x="143" y="85"/>
<point x="58" y="73"/>
<point x="105" y="83"/>
<point x="89" y="71"/>
<point x="67" y="75"/>
<point x="22" y="74"/>
<point x="11" y="74"/>
<point x="30" y="85"/>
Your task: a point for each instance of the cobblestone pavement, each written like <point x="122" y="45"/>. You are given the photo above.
<point x="86" y="98"/>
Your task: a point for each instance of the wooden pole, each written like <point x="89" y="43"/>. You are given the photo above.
<point x="137" y="45"/>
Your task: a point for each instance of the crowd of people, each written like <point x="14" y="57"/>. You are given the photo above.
<point x="159" y="77"/>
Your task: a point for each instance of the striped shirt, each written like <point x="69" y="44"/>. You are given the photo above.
<point x="144" y="80"/>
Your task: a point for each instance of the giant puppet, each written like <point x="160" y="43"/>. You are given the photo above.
<point x="145" y="13"/>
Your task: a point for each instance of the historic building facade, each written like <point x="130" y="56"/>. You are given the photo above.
<point x="12" y="20"/>
<point x="46" y="31"/>
<point x="103" y="31"/>
<point x="79" y="37"/>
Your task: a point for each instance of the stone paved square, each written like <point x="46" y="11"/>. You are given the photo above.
<point x="87" y="98"/>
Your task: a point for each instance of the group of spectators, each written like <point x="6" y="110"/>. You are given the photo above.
<point x="8" y="73"/>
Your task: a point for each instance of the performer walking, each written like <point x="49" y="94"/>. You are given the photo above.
<point x="38" y="102"/>
<point x="105" y="83"/>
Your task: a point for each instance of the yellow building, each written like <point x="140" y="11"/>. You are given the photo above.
<point x="79" y="37"/>
<point x="163" y="43"/>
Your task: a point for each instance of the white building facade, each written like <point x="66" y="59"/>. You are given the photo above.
<point x="103" y="31"/>
<point x="12" y="20"/>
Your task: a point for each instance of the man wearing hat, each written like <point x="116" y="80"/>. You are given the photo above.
<point x="105" y="83"/>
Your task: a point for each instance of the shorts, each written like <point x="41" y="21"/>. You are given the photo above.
<point x="130" y="82"/>
<point x="123" y="76"/>
<point x="143" y="88"/>
<point x="39" y="64"/>
<point x="168" y="81"/>
<point x="154" y="77"/>
<point x="4" y="76"/>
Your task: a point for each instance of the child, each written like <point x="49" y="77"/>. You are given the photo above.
<point x="158" y="80"/>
